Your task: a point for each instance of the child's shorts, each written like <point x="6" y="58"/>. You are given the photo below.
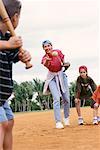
<point x="6" y="113"/>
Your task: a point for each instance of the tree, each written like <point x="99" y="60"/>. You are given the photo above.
<point x="72" y="93"/>
<point x="23" y="95"/>
<point x="38" y="88"/>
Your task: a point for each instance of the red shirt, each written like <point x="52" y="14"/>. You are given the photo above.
<point x="54" y="64"/>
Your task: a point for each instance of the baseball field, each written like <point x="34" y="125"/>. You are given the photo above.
<point x="36" y="131"/>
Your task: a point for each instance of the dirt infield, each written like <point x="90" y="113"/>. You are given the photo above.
<point x="36" y="131"/>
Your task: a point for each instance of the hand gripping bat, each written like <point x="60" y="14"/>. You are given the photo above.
<point x="9" y="25"/>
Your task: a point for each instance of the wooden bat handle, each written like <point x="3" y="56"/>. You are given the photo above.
<point x="9" y="25"/>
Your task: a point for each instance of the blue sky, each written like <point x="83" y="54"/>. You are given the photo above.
<point x="71" y="25"/>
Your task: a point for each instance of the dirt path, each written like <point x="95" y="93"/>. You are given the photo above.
<point x="36" y="131"/>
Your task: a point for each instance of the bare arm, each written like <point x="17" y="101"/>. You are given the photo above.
<point x="4" y="45"/>
<point x="13" y="43"/>
<point x="78" y="88"/>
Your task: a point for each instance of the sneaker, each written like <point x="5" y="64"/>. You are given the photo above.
<point x="95" y="121"/>
<point x="59" y="125"/>
<point x="66" y="121"/>
<point x="80" y="121"/>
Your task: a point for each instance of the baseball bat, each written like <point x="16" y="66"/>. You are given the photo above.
<point x="7" y="21"/>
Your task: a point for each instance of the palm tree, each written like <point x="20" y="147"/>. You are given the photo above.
<point x="38" y="88"/>
<point x="23" y="95"/>
<point x="26" y="95"/>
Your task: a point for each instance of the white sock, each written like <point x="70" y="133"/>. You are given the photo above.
<point x="95" y="117"/>
<point x="80" y="117"/>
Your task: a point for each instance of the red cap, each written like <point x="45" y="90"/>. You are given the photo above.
<point x="83" y="67"/>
